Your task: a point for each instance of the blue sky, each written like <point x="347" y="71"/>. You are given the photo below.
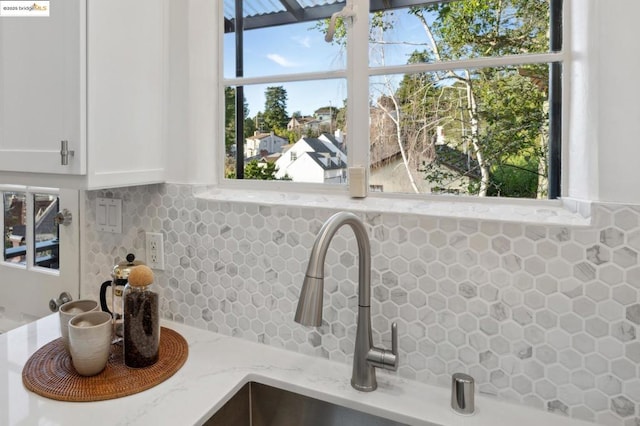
<point x="290" y="49"/>
<point x="299" y="48"/>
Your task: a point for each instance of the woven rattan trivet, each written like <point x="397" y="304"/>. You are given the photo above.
<point x="49" y="372"/>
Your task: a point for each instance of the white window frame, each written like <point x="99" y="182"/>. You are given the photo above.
<point x="358" y="104"/>
<point x="29" y="192"/>
<point x="38" y="285"/>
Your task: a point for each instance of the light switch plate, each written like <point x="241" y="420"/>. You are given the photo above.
<point x="109" y="215"/>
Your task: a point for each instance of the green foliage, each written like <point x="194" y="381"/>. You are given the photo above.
<point x="440" y="178"/>
<point x="515" y="177"/>
<point x="291" y="135"/>
<point x="508" y="118"/>
<point x="275" y="108"/>
<point x="512" y="111"/>
<point x="260" y="171"/>
<point x="498" y="115"/>
<point x="230" y="118"/>
<point x="473" y="28"/>
<point x="379" y="22"/>
<point x="249" y="127"/>
<point x="257" y="171"/>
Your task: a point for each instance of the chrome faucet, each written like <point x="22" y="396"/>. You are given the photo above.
<point x="366" y="357"/>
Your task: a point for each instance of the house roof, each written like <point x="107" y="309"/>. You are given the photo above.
<point x="325" y="110"/>
<point x="260" y="136"/>
<point x="331" y="165"/>
<point x="317" y="145"/>
<point x="333" y="140"/>
<point x="458" y="161"/>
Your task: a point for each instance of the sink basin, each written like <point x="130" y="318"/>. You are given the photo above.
<point x="256" y="404"/>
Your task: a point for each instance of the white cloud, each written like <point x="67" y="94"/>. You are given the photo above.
<point x="280" y="60"/>
<point x="303" y="41"/>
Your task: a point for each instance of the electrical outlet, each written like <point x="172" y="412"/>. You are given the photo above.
<point x="155" y="250"/>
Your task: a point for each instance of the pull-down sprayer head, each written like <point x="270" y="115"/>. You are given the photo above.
<point x="309" y="310"/>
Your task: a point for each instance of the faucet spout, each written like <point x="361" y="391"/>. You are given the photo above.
<point x="309" y="310"/>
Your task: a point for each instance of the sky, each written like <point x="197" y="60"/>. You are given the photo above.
<point x="290" y="49"/>
<point x="299" y="48"/>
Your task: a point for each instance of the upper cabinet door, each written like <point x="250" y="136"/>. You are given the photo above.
<point x="42" y="82"/>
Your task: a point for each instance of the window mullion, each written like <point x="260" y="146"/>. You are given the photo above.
<point x="471" y="63"/>
<point x="29" y="229"/>
<point x="358" y="86"/>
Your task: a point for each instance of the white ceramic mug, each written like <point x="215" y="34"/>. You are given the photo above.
<point x="90" y="341"/>
<point x="70" y="310"/>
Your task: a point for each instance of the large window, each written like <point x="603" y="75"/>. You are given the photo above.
<point x="455" y="97"/>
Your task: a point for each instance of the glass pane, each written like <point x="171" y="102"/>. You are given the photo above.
<point x="478" y="132"/>
<point x="46" y="254"/>
<point x="15" y="215"/>
<point x="292" y="131"/>
<point x="458" y="30"/>
<point x="272" y="45"/>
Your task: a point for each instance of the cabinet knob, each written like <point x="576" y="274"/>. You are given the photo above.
<point x="63" y="218"/>
<point x="54" y="304"/>
<point x="65" y="153"/>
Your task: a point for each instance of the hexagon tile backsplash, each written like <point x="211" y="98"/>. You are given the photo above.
<point x="541" y="315"/>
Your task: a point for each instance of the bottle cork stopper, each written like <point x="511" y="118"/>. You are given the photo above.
<point x="140" y="275"/>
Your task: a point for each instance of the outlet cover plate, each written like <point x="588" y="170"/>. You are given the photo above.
<point x="155" y="250"/>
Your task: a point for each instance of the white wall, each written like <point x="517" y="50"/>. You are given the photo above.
<point x="619" y="112"/>
<point x="602" y="113"/>
<point x="193" y="93"/>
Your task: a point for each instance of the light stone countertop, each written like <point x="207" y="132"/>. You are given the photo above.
<point x="219" y="365"/>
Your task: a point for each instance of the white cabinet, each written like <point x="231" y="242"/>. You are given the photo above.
<point x="92" y="74"/>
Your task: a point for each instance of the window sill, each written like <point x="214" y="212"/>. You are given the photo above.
<point x="566" y="212"/>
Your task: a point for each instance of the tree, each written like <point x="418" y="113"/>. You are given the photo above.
<point x="260" y="171"/>
<point x="495" y="116"/>
<point x="503" y="107"/>
<point x="275" y="108"/>
<point x="259" y="122"/>
<point x="230" y="118"/>
<point x="257" y="171"/>
<point x="249" y="127"/>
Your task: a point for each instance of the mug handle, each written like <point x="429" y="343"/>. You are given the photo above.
<point x="103" y="296"/>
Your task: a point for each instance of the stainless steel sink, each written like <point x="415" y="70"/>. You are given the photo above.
<point x="256" y="404"/>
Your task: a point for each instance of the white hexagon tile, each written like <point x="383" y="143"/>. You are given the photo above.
<point x="545" y="316"/>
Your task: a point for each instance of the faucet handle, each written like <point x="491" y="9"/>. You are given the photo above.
<point x="394" y="339"/>
<point x="383" y="358"/>
<point x="394" y="347"/>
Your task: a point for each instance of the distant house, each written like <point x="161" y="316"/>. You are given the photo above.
<point x="319" y="160"/>
<point x="261" y="144"/>
<point x="325" y="114"/>
<point x="302" y="123"/>
<point x="321" y="121"/>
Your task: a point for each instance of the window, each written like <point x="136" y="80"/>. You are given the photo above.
<point x="40" y="255"/>
<point x="456" y="97"/>
<point x="30" y="227"/>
